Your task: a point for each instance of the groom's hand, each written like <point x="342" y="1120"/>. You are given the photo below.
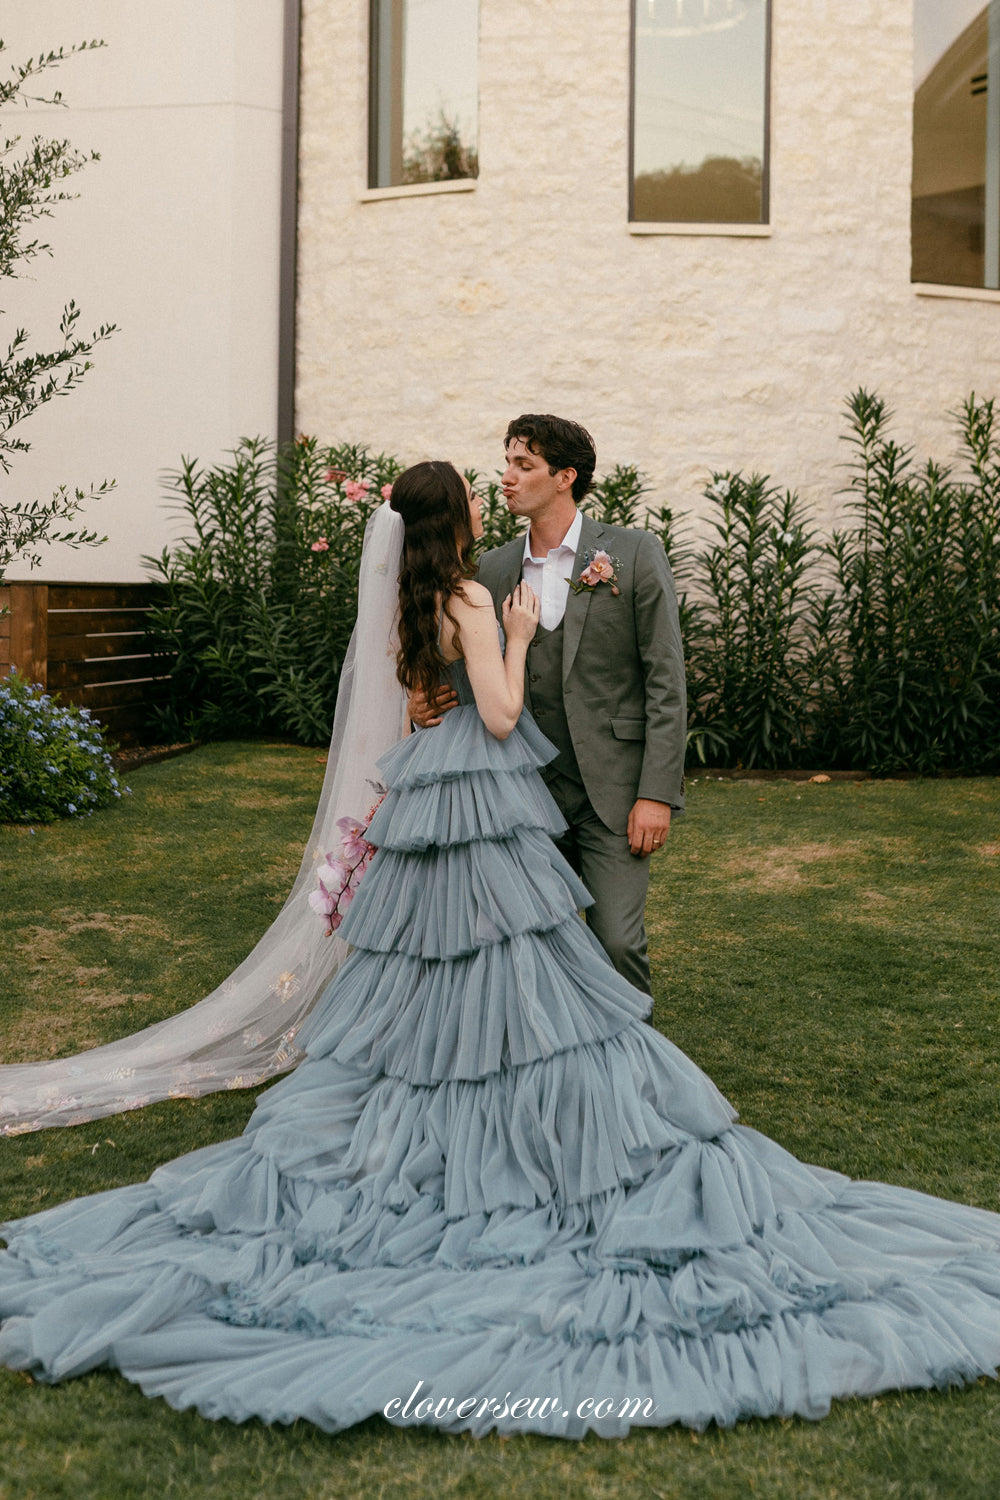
<point x="648" y="826"/>
<point x="426" y="712"/>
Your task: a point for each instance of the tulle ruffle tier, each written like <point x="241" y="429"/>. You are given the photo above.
<point x="490" y="1180"/>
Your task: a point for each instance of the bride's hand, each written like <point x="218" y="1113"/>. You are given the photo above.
<point x="520" y="613"/>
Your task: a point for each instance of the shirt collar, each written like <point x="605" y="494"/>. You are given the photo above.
<point x="570" y="541"/>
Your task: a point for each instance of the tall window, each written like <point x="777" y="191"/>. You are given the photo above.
<point x="699" y="111"/>
<point x="955" y="224"/>
<point x="424" y="91"/>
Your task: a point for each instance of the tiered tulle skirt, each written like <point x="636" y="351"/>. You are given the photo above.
<point x="492" y="1197"/>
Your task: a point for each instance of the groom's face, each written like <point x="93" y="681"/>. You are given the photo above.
<point x="528" y="486"/>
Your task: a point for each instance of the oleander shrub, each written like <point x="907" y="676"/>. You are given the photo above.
<point x="875" y="648"/>
<point x="261" y="593"/>
<point x="53" y="760"/>
<point x="911" y="627"/>
<point x="748" y="656"/>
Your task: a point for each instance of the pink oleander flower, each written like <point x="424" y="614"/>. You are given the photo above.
<point x="335" y="476"/>
<point x="322" y="545"/>
<point x="386" y="491"/>
<point x="356" y="489"/>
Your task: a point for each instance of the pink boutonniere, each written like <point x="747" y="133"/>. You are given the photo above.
<point x="599" y="567"/>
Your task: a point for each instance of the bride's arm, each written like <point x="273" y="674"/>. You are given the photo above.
<point x="497" y="679"/>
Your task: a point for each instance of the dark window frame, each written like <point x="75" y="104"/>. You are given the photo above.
<point x="385" y="132"/>
<point x="922" y="246"/>
<point x="765" y="185"/>
<point x="377" y="11"/>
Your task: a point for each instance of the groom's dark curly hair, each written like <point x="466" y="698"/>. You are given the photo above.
<point x="562" y="444"/>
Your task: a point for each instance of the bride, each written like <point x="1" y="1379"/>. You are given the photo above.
<point x="489" y="1197"/>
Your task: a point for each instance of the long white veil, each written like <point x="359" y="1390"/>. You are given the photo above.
<point x="244" y="1031"/>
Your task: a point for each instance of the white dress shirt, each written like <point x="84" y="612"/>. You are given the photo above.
<point x="549" y="576"/>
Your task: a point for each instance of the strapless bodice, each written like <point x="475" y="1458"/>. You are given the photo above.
<point x="457" y="677"/>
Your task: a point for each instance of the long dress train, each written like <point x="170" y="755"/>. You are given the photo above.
<point x="491" y="1185"/>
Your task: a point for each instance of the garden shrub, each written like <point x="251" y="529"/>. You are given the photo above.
<point x="877" y="648"/>
<point x="912" y="672"/>
<point x="748" y="657"/>
<point x="53" y="761"/>
<point x="261" y="594"/>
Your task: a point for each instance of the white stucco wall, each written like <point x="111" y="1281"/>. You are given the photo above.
<point x="426" y="322"/>
<point x="174" y="237"/>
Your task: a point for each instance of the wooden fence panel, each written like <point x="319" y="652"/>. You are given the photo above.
<point x="126" y="694"/>
<point x="29" y="636"/>
<point x="87" y="642"/>
<point x="105" y="596"/>
<point x="94" y="621"/>
<point x="70" y="677"/>
<point x="91" y="647"/>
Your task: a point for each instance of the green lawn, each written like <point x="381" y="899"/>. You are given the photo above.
<point x="829" y="953"/>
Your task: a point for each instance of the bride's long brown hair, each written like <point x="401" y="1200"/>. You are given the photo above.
<point x="437" y="558"/>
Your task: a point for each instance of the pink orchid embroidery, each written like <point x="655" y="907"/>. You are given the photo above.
<point x="599" y="568"/>
<point x="356" y="489"/>
<point x="386" y="491"/>
<point x="335" y="476"/>
<point x="339" y="877"/>
<point x="320" y="545"/>
<point x="353" y="840"/>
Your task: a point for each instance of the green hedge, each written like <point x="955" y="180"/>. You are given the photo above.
<point x="876" y="648"/>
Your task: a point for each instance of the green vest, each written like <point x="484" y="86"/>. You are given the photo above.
<point x="545" y="656"/>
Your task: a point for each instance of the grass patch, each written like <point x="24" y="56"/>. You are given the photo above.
<point x="829" y="953"/>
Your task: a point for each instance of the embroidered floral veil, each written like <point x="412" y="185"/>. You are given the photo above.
<point x="244" y="1031"/>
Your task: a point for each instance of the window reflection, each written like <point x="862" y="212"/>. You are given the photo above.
<point x="424" y="91"/>
<point x="699" y="139"/>
<point x="956" y="153"/>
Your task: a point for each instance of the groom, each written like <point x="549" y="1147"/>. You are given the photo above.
<point x="604" y="678"/>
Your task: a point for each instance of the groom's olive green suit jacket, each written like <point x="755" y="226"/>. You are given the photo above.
<point x="622" y="669"/>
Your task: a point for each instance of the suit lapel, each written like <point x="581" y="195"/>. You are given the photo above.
<point x="510" y="562"/>
<point x="509" y="573"/>
<point x="577" y="604"/>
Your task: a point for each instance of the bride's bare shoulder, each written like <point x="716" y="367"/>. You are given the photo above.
<point x="471" y="595"/>
<point x="471" y="621"/>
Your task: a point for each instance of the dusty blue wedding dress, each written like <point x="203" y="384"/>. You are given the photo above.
<point x="491" y="1184"/>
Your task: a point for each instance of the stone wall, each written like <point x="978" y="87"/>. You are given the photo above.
<point x="426" y="321"/>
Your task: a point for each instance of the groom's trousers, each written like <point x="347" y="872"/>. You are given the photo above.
<point x="617" y="880"/>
